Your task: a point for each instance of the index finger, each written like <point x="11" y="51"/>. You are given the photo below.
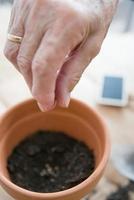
<point x="47" y="63"/>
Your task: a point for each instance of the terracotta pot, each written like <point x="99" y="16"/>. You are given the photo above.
<point x="78" y="121"/>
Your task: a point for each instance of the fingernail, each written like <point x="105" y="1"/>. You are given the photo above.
<point x="45" y="108"/>
<point x="41" y="107"/>
<point x="65" y="102"/>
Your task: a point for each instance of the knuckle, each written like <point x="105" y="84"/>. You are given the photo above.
<point x="10" y="52"/>
<point x="7" y="53"/>
<point x="73" y="13"/>
<point x="17" y="29"/>
<point x="45" y="67"/>
<point x="24" y="64"/>
<point x="69" y="15"/>
<point x="38" y="67"/>
<point x="39" y="1"/>
<point x="76" y="23"/>
<point x="95" y="51"/>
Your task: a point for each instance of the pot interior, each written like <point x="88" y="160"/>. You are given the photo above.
<point x="62" y="120"/>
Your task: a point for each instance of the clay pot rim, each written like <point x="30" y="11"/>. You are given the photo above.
<point x="99" y="169"/>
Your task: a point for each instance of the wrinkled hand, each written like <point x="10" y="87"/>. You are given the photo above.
<point x="60" y="38"/>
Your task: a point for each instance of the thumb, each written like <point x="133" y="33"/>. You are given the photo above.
<point x="73" y="69"/>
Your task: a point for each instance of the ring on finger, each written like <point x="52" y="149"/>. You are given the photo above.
<point x="14" y="38"/>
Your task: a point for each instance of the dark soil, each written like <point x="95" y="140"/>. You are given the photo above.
<point x="50" y="162"/>
<point x="122" y="193"/>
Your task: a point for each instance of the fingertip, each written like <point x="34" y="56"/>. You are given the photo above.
<point x="46" y="102"/>
<point x="64" y="101"/>
<point x="45" y="108"/>
<point x="41" y="107"/>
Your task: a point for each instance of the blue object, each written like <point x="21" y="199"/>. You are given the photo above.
<point x="113" y="88"/>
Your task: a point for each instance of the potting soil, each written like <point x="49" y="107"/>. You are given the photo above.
<point x="50" y="161"/>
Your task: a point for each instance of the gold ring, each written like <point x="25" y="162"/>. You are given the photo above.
<point x="14" y="38"/>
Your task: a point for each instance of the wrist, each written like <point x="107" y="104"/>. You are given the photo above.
<point x="109" y="9"/>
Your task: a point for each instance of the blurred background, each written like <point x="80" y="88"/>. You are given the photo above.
<point x="116" y="57"/>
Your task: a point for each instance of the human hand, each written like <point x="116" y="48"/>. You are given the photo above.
<point x="60" y="38"/>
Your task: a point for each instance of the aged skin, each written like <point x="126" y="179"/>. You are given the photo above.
<point x="60" y="38"/>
